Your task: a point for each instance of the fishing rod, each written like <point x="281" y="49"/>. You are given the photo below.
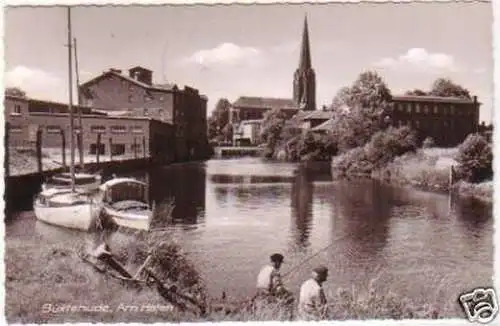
<point x="312" y="256"/>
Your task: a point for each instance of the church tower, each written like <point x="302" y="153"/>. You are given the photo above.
<point x="304" y="81"/>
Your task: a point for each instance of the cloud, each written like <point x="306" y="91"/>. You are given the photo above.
<point x="226" y="54"/>
<point x="36" y="83"/>
<point x="419" y="59"/>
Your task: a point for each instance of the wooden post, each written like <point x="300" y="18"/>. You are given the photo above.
<point x="98" y="145"/>
<point x="144" y="147"/>
<point x="135" y="147"/>
<point x="63" y="148"/>
<point x="80" y="147"/>
<point x="38" y="145"/>
<point x="7" y="149"/>
<point x="110" y="148"/>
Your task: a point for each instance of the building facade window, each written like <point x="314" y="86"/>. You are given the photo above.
<point x="16" y="110"/>
<point x="417" y="108"/>
<point x="408" y="108"/>
<point x="98" y="129"/>
<point x="136" y="148"/>
<point x="426" y="109"/>
<point x="436" y="109"/>
<point x="118" y="129"/>
<point x="15" y="129"/>
<point x="136" y="130"/>
<point x="146" y="112"/>
<point x="452" y="109"/>
<point x="93" y="149"/>
<point x="117" y="149"/>
<point x="53" y="129"/>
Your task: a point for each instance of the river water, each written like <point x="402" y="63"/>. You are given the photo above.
<point x="230" y="215"/>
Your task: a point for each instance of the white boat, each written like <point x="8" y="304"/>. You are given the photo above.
<point x="83" y="181"/>
<point x="69" y="203"/>
<point x="124" y="203"/>
<point x="66" y="208"/>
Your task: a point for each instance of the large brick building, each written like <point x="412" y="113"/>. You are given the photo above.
<point x="120" y="136"/>
<point x="447" y="120"/>
<point x="186" y="109"/>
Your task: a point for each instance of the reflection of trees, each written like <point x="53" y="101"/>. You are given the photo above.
<point x="473" y="213"/>
<point x="361" y="211"/>
<point x="302" y="198"/>
<point x="185" y="185"/>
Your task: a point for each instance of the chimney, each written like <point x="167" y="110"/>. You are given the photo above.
<point x="118" y="71"/>
<point x="142" y="75"/>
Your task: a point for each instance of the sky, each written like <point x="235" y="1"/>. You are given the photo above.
<point x="227" y="51"/>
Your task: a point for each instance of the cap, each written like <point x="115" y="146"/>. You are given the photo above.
<point x="321" y="270"/>
<point x="277" y="258"/>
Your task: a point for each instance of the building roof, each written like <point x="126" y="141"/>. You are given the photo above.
<point x="325" y="126"/>
<point x="266" y="103"/>
<point x="434" y="99"/>
<point x="318" y="115"/>
<point x="114" y="72"/>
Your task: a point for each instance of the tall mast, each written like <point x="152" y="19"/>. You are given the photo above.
<point x="70" y="105"/>
<point x="80" y="139"/>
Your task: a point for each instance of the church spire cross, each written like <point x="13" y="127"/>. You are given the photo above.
<point x="305" y="52"/>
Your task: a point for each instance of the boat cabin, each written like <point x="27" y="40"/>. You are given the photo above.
<point x="124" y="189"/>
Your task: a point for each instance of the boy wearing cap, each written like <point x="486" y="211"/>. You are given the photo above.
<point x="269" y="279"/>
<point x="312" y="300"/>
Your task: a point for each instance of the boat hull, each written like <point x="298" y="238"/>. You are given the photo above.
<point x="80" y="217"/>
<point x="139" y="220"/>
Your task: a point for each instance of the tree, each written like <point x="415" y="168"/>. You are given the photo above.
<point x="227" y="132"/>
<point x="446" y="88"/>
<point x="369" y="92"/>
<point x="416" y="92"/>
<point x="475" y="158"/>
<point x="15" y="91"/>
<point x="428" y="143"/>
<point x="219" y="118"/>
<point x="271" y="129"/>
<point x="342" y="99"/>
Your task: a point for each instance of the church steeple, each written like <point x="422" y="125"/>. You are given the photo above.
<point x="305" y="52"/>
<point x="304" y="84"/>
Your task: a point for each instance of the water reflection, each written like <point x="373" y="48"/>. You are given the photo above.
<point x="302" y="199"/>
<point x="360" y="214"/>
<point x="183" y="186"/>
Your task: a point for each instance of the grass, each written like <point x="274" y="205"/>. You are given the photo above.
<point x="57" y="276"/>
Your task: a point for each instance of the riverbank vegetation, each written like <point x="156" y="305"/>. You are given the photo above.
<point x="57" y="280"/>
<point x="361" y="141"/>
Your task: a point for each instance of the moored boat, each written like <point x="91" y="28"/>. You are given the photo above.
<point x="69" y="199"/>
<point x="83" y="181"/>
<point x="124" y="203"/>
<point x="66" y="208"/>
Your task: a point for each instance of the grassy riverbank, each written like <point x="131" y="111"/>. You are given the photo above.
<point x="429" y="169"/>
<point x="53" y="273"/>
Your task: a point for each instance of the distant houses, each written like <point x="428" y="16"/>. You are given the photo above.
<point x="128" y="113"/>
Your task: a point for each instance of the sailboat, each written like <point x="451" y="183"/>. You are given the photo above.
<point x="72" y="202"/>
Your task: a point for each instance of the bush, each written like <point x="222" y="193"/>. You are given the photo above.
<point x="428" y="143"/>
<point x="383" y="147"/>
<point x="475" y="158"/>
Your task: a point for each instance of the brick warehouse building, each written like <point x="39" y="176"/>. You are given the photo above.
<point x="130" y="135"/>
<point x="135" y="93"/>
<point x="445" y="119"/>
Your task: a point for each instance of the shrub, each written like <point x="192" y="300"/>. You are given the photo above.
<point x="383" y="147"/>
<point x="428" y="143"/>
<point x="475" y="158"/>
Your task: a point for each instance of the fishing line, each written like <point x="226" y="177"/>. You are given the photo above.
<point x="314" y="255"/>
